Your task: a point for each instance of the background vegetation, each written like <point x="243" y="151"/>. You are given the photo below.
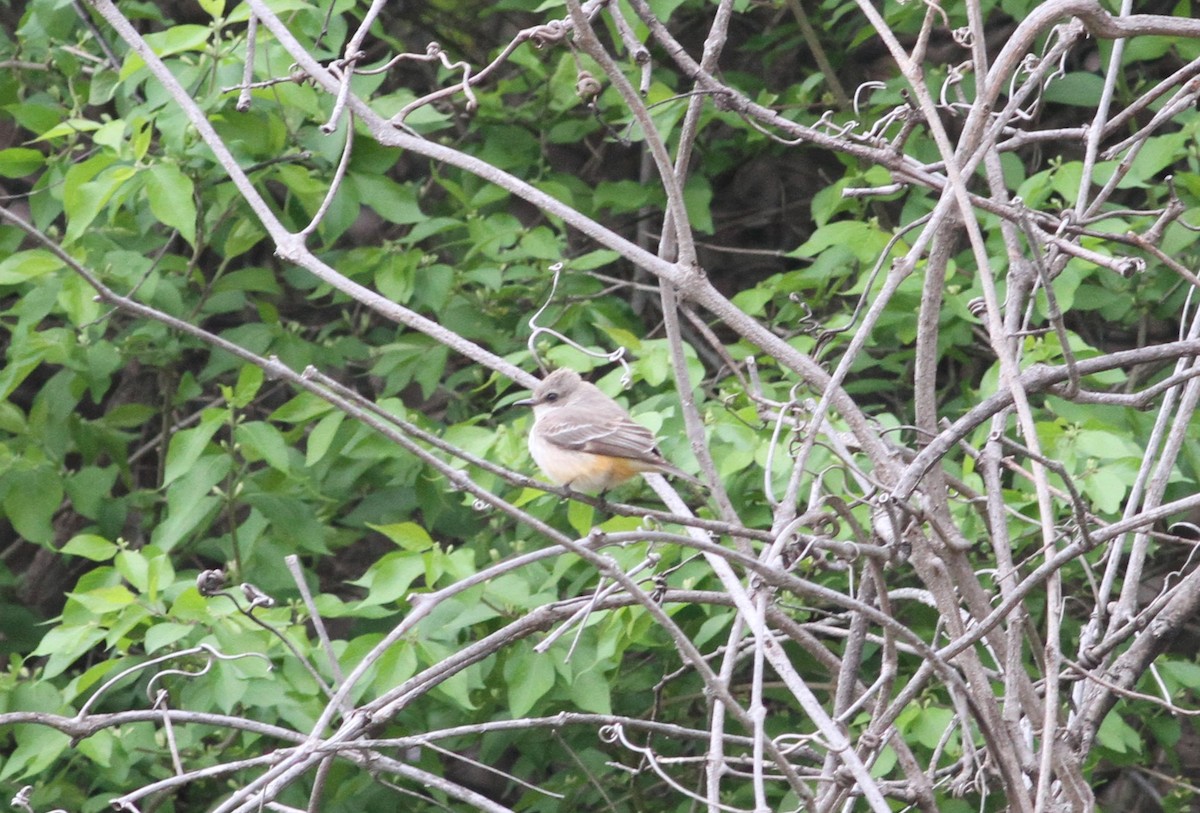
<point x="911" y="287"/>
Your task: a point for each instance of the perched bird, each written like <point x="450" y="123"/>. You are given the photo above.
<point x="585" y="440"/>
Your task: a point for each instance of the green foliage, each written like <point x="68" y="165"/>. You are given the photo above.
<point x="136" y="454"/>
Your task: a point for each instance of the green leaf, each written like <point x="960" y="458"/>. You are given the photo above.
<point x="752" y="300"/>
<point x="321" y="436"/>
<point x="83" y="203"/>
<point x="593" y="260"/>
<point x="697" y="197"/>
<point x="622" y="196"/>
<point x="98" y="748"/>
<point x="187" y="445"/>
<point x="1106" y="488"/>
<point x="590" y="691"/>
<point x="33" y="497"/>
<point x="179" y="38"/>
<point x="865" y="240"/>
<point x="111" y="134"/>
<point x="191" y="606"/>
<point x="17" y="162"/>
<point x="930" y="725"/>
<point x="542" y="243"/>
<point x="165" y="634"/>
<point x="128" y="624"/>
<point x="16" y="371"/>
<point x="477" y="440"/>
<point x="78" y="299"/>
<point x="65" y="645"/>
<point x="241" y="12"/>
<point x="390" y="577"/>
<point x="394" y="202"/>
<point x="105" y="599"/>
<point x="301" y="409"/>
<point x="214" y="8"/>
<point x="580" y="516"/>
<point x="1065" y="180"/>
<point x="171" y="199"/>
<point x="883" y="766"/>
<point x="1106" y="445"/>
<point x="528" y="676"/>
<point x="433" y="285"/>
<point x="1149" y="48"/>
<point x="407" y="535"/>
<point x="395" y="275"/>
<point x="395" y="666"/>
<point x="187" y="502"/>
<point x="134" y="567"/>
<point x="249" y="382"/>
<point x="717" y="624"/>
<point x="1186" y="673"/>
<point x="262" y="441"/>
<point x="1076" y="88"/>
<point x="27" y="265"/>
<point x="245" y="235"/>
<point x="69" y="127"/>
<point x="456" y="689"/>
<point x="1116" y="735"/>
<point x="828" y="201"/>
<point x="141" y="138"/>
<point x="90" y="546"/>
<point x="664" y="8"/>
<point x="1156" y="156"/>
<point x="37" y="748"/>
<point x="623" y="338"/>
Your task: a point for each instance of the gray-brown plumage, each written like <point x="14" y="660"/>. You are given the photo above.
<point x="583" y="439"/>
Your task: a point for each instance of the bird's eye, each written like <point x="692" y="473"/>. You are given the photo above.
<point x="552" y="397"/>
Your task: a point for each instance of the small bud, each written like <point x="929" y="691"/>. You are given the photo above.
<point x="210" y="582"/>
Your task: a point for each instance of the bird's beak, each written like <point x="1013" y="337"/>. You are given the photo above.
<point x="525" y="402"/>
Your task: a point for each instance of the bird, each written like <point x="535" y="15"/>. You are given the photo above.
<point x="586" y="441"/>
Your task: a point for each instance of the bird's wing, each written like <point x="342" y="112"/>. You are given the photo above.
<point x="612" y="436"/>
